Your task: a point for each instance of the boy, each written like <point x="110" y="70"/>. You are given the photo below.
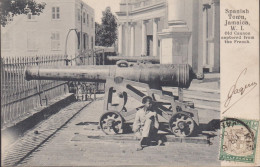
<point x="146" y="122"/>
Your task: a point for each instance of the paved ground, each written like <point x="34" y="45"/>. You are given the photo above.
<point x="64" y="148"/>
<point x="64" y="138"/>
<point x="30" y="141"/>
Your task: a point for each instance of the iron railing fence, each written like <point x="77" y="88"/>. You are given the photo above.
<point x="18" y="96"/>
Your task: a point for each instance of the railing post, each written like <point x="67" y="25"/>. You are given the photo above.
<point x="39" y="82"/>
<point x="3" y="81"/>
<point x="66" y="60"/>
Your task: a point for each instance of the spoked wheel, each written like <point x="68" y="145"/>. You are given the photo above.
<point x="181" y="124"/>
<point x="111" y="123"/>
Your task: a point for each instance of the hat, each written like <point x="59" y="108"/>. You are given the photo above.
<point x="145" y="98"/>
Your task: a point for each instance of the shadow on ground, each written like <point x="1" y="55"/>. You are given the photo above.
<point x="203" y="132"/>
<point x="13" y="133"/>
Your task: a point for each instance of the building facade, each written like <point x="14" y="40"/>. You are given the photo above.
<point x="28" y="35"/>
<point x="146" y="27"/>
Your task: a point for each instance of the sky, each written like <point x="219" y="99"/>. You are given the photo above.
<point x="100" y="5"/>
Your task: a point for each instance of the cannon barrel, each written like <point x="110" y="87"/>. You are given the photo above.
<point x="154" y="60"/>
<point x="174" y="75"/>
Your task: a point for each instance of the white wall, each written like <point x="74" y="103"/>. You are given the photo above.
<point x="86" y="28"/>
<point x="43" y="26"/>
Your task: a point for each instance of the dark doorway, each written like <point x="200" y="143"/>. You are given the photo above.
<point x="149" y="40"/>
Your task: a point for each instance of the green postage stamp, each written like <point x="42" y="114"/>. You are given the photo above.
<point x="238" y="140"/>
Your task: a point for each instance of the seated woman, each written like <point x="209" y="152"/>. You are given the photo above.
<point x="146" y="123"/>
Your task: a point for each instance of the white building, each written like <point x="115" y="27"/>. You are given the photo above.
<point x="28" y="35"/>
<point x="177" y="31"/>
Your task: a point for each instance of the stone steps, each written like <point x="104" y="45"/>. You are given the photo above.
<point x="203" y="98"/>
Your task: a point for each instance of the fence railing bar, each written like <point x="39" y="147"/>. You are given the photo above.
<point x="27" y="97"/>
<point x="18" y="96"/>
<point x="31" y="62"/>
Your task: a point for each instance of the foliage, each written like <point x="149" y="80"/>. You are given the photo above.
<point x="106" y="33"/>
<point x="98" y="32"/>
<point x="11" y="8"/>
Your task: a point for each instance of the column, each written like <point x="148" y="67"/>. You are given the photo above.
<point x="205" y="33"/>
<point x="176" y="12"/>
<point x="120" y="40"/>
<point x="132" y="44"/>
<point x="144" y="38"/>
<point x="155" y="38"/>
<point x="215" y="27"/>
<point x="175" y="39"/>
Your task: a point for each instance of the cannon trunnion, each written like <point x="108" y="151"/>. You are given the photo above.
<point x="136" y="81"/>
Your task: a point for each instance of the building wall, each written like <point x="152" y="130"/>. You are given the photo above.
<point x="189" y="19"/>
<point x="202" y="53"/>
<point x="43" y="35"/>
<point x="137" y="12"/>
<point x="208" y="47"/>
<point x="88" y="26"/>
<point x="195" y="36"/>
<point x="149" y="29"/>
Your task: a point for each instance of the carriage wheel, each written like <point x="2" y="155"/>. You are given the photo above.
<point x="181" y="124"/>
<point x="111" y="123"/>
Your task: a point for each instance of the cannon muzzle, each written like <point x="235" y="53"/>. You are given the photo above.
<point x="173" y="75"/>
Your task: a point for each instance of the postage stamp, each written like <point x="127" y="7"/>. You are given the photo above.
<point x="238" y="140"/>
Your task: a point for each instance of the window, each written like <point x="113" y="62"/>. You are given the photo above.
<point x="32" y="43"/>
<point x="92" y="22"/>
<point x="87" y="41"/>
<point x="9" y="18"/>
<point x="78" y="40"/>
<point x="30" y="17"/>
<point x="84" y="17"/>
<point x="87" y="20"/>
<point x="55" y="41"/>
<point x="78" y="14"/>
<point x="55" y="13"/>
<point x="84" y="41"/>
<point x="92" y="42"/>
<point x="58" y="12"/>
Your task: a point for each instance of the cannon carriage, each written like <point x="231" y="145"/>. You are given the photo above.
<point x="136" y="81"/>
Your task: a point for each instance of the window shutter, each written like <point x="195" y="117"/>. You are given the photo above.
<point x="55" y="41"/>
<point x="53" y="12"/>
<point x="58" y="12"/>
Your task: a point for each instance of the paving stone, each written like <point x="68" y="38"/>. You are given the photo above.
<point x="62" y="150"/>
<point x="31" y="141"/>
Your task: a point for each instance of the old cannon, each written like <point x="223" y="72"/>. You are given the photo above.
<point x="136" y="81"/>
<point x="137" y="59"/>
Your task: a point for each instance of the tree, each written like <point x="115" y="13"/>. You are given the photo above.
<point x="106" y="33"/>
<point x="11" y="8"/>
<point x="98" y="32"/>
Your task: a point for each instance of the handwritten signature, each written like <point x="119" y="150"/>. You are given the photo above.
<point x="238" y="90"/>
